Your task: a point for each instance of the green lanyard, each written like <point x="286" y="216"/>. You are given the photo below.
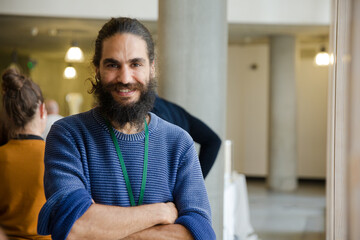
<point x="123" y="167"/>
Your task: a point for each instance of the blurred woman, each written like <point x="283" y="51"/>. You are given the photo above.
<point x="22" y="157"/>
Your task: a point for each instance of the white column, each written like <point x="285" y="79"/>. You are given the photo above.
<point x="192" y="44"/>
<point x="282" y="166"/>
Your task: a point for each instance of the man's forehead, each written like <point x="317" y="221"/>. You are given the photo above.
<point x="125" y="43"/>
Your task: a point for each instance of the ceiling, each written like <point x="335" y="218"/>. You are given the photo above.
<point x="50" y="36"/>
<point x="53" y="36"/>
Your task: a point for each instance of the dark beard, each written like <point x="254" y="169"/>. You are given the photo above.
<point x="121" y="114"/>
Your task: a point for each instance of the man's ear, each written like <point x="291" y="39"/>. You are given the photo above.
<point x="97" y="74"/>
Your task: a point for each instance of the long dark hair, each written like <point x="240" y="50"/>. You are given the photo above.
<point x="21" y="98"/>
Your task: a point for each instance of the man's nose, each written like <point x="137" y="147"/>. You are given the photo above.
<point x="124" y="75"/>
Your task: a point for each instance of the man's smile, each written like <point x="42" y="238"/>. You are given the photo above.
<point x="125" y="92"/>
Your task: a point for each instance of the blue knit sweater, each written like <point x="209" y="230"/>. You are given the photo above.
<point x="81" y="164"/>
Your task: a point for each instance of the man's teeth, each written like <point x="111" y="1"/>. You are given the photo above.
<point x="124" y="90"/>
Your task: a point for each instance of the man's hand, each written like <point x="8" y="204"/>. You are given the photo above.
<point x="170" y="213"/>
<point x="167" y="230"/>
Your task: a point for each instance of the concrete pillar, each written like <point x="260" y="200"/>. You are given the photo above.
<point x="282" y="166"/>
<point x="192" y="50"/>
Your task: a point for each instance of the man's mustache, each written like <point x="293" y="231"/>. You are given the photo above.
<point x="118" y="86"/>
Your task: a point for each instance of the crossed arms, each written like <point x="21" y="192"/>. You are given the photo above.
<point x="152" y="221"/>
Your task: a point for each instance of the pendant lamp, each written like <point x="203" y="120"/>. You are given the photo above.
<point x="322" y="58"/>
<point x="70" y="72"/>
<point x="74" y="54"/>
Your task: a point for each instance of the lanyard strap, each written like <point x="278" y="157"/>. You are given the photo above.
<point x="123" y="167"/>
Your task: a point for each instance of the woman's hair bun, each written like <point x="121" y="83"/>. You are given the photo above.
<point x="12" y="80"/>
<point x="21" y="99"/>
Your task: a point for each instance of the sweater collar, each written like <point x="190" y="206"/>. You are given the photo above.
<point x="28" y="137"/>
<point x="122" y="136"/>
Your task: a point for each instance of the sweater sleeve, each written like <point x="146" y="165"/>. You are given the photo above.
<point x="191" y="198"/>
<point x="65" y="185"/>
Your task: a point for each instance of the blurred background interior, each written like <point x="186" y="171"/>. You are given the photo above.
<point x="35" y="37"/>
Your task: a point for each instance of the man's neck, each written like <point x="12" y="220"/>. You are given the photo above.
<point x="131" y="128"/>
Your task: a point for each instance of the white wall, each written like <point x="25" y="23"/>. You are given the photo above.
<point x="82" y="8"/>
<point x="247" y="107"/>
<point x="316" y="12"/>
<point x="248" y="110"/>
<point x="312" y="89"/>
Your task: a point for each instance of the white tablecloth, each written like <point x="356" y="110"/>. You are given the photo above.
<point x="236" y="209"/>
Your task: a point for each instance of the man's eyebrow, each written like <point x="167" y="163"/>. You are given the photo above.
<point x="136" y="60"/>
<point x="110" y="60"/>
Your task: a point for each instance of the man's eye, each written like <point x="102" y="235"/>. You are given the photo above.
<point x="112" y="65"/>
<point x="136" y="64"/>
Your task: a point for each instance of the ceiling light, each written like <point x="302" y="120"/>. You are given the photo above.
<point x="34" y="31"/>
<point x="70" y="72"/>
<point x="74" y="54"/>
<point x="322" y="58"/>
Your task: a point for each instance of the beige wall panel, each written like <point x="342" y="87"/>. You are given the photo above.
<point x="312" y="89"/>
<point x="247" y="107"/>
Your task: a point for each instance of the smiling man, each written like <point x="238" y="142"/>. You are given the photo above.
<point x="119" y="171"/>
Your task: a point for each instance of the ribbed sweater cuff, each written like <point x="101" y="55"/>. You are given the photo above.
<point x="71" y="209"/>
<point x="199" y="227"/>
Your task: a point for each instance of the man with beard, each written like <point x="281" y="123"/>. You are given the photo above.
<point x="119" y="171"/>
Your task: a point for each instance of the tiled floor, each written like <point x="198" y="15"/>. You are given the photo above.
<point x="299" y="215"/>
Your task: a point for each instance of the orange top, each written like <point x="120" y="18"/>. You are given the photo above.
<point x="21" y="187"/>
